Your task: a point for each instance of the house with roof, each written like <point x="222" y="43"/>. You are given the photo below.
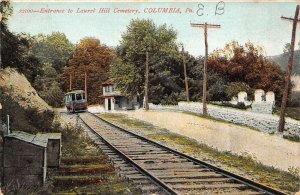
<point x="114" y="100"/>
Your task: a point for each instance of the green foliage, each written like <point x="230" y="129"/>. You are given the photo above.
<point x="53" y="95"/>
<point x="195" y="74"/>
<point x="54" y="49"/>
<point x="70" y="134"/>
<point x="287" y="48"/>
<point x="15" y="54"/>
<point x="48" y="87"/>
<point x="216" y="88"/>
<point x="6" y="10"/>
<point x="295" y="99"/>
<point x="234" y="88"/>
<point x="130" y="76"/>
<point x="15" y="48"/>
<point x="166" y="79"/>
<point x="40" y="58"/>
<point x="239" y="105"/>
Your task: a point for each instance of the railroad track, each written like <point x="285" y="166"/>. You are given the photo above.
<point x="157" y="169"/>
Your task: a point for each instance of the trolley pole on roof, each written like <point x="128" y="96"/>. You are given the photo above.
<point x="295" y="20"/>
<point x="70" y="84"/>
<point x="85" y="86"/>
<point x="205" y="26"/>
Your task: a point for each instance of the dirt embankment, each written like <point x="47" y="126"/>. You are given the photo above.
<point x="20" y="90"/>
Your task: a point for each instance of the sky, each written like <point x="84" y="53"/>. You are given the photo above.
<point x="259" y="23"/>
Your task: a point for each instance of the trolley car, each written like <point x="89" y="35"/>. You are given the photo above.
<point x="75" y="101"/>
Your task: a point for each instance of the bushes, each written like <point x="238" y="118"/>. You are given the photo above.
<point x="71" y="134"/>
<point x="239" y="105"/>
<point x="234" y="88"/>
<point x="295" y="99"/>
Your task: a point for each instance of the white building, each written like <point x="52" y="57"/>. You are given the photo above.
<point x="114" y="100"/>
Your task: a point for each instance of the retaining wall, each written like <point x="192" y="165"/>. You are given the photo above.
<point x="264" y="122"/>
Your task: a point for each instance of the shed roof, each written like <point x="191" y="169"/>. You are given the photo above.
<point x="49" y="135"/>
<point x="29" y="138"/>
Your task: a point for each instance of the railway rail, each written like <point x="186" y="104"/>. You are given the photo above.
<point x="161" y="170"/>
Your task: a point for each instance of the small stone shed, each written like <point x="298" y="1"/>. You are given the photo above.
<point x="53" y="147"/>
<point x="25" y="158"/>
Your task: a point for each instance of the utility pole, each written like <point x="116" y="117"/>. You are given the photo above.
<point x="205" y="26"/>
<point x="289" y="70"/>
<point x="85" y="86"/>
<point x="70" y="84"/>
<point x="147" y="82"/>
<point x="185" y="76"/>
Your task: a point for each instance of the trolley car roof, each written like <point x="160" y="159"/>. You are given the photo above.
<point x="75" y="91"/>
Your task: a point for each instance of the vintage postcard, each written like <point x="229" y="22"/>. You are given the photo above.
<point x="150" y="97"/>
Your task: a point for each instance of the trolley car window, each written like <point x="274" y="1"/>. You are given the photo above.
<point x="73" y="97"/>
<point x="83" y="96"/>
<point x="78" y="97"/>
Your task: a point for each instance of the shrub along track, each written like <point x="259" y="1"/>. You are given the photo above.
<point x="161" y="170"/>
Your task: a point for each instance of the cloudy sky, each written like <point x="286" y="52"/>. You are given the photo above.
<point x="256" y="22"/>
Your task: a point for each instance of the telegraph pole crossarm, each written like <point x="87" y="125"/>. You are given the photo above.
<point x="295" y="20"/>
<point x="288" y="18"/>
<point x="205" y="26"/>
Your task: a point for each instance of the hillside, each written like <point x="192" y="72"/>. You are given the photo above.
<point x="20" y="90"/>
<point x="282" y="61"/>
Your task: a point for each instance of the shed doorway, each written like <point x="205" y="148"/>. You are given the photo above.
<point x="109" y="104"/>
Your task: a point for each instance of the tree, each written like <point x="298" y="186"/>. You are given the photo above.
<point x="15" y="48"/>
<point x="216" y="88"/>
<point x="53" y="52"/>
<point x="48" y="86"/>
<point x="6" y="10"/>
<point x="94" y="58"/>
<point x="237" y="63"/>
<point x="195" y="75"/>
<point x="165" y="64"/>
<point x="54" y="49"/>
<point x="234" y="88"/>
<point x="287" y="48"/>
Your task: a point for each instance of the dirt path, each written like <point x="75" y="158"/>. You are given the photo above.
<point x="268" y="149"/>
